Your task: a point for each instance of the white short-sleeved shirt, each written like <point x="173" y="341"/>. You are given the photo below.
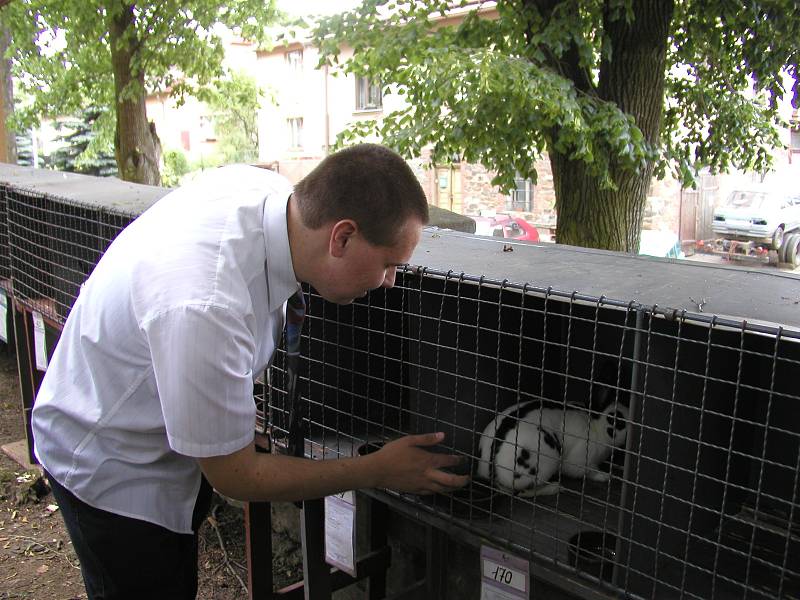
<point x="156" y="362"/>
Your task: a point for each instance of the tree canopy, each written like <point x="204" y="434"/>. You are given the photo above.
<point x="68" y="54"/>
<point x="234" y="102"/>
<point x="613" y="91"/>
<point x="79" y="152"/>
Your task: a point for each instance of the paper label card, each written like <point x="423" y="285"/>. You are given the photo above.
<point x="39" y="344"/>
<point x="503" y="576"/>
<point x="340" y="532"/>
<point x="3" y="316"/>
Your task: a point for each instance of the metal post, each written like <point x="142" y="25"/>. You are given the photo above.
<point x="435" y="563"/>
<point x="316" y="572"/>
<point x="378" y="539"/>
<point x="258" y="546"/>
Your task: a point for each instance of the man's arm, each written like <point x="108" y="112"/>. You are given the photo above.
<point x="401" y="465"/>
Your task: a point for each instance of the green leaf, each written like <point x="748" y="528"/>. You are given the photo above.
<point x="522" y="79"/>
<point x="62" y="52"/>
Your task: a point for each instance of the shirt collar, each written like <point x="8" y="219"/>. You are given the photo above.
<point x="281" y="280"/>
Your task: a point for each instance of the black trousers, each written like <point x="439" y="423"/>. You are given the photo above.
<point x="123" y="558"/>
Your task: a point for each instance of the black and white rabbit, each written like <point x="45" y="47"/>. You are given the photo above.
<point x="524" y="446"/>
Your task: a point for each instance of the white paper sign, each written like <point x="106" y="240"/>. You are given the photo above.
<point x="39" y="344"/>
<point x="3" y="316"/>
<point x="503" y="576"/>
<point x="340" y="532"/>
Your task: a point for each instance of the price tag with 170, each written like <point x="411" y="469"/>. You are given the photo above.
<point x="503" y="576"/>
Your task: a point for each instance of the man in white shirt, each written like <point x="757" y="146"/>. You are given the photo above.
<point x="150" y="390"/>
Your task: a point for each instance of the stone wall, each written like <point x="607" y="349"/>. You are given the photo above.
<point x="479" y="195"/>
<point x="662" y="211"/>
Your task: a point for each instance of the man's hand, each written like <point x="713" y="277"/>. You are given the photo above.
<point x="408" y="467"/>
<point x="403" y="465"/>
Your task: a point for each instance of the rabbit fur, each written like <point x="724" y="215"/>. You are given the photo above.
<point x="523" y="447"/>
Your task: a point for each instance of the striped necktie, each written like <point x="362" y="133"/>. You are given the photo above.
<point x="295" y="314"/>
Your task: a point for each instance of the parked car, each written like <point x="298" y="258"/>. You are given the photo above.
<point x="760" y="214"/>
<point x="506" y="226"/>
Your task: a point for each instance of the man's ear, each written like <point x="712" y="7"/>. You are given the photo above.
<point x="341" y="234"/>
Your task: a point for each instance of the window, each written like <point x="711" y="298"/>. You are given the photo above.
<point x="521" y="198"/>
<point x="294" y="60"/>
<point x="295" y="127"/>
<point x="368" y="94"/>
<point x="794" y="139"/>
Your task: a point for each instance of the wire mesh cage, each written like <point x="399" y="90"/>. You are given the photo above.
<point x="58" y="226"/>
<point x="55" y="246"/>
<point x="5" y="260"/>
<point x="10" y="178"/>
<point x="654" y="453"/>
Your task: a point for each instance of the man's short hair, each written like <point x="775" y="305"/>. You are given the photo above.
<point x="367" y="183"/>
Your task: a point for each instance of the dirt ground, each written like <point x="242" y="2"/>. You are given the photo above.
<point x="37" y="561"/>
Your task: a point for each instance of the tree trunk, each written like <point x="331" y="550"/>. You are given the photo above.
<point x="8" y="139"/>
<point x="633" y="79"/>
<point x="136" y="145"/>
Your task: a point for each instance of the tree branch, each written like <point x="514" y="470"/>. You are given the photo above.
<point x="568" y="64"/>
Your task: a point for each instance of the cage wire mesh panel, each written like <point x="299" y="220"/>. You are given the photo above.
<point x="666" y="444"/>
<point x="5" y="259"/>
<point x="55" y="246"/>
<point x="58" y="227"/>
<point x="12" y="179"/>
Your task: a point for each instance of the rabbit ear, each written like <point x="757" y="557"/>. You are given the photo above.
<point x="611" y="382"/>
<point x="603" y="384"/>
<point x="599" y="396"/>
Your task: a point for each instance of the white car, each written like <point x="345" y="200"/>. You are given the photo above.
<point x="759" y="215"/>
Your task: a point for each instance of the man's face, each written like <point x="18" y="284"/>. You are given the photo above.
<point x="365" y="267"/>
